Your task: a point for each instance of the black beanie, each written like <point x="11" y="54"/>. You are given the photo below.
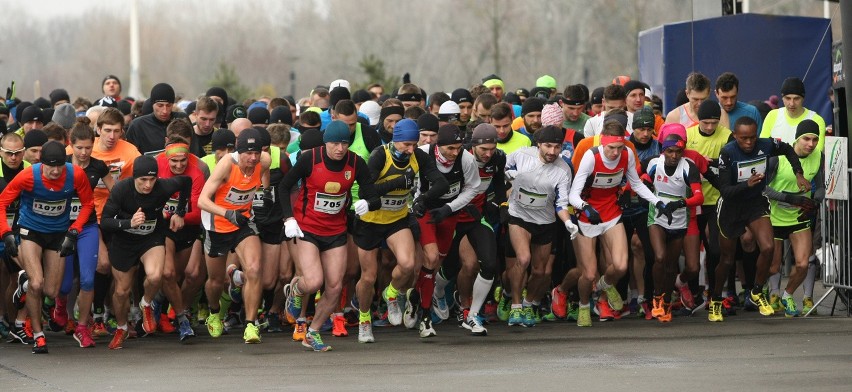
<point x="217" y="92"/>
<point x="52" y="153"/>
<point x="549" y="134"/>
<point x="59" y="95"/>
<point x="361" y="96"/>
<point x="19" y="109"/>
<point x="336" y="95"/>
<point x="531" y="105"/>
<point x="162" y="92"/>
<point x="190" y="108"/>
<point x="42" y="103"/>
<point x="427" y="122"/>
<point x="597" y="96"/>
<point x="35" y="138"/>
<point x="388" y="110"/>
<point x="807" y="127"/>
<point x="124" y="106"/>
<point x="265" y="137"/>
<point x="113" y="77"/>
<point x="461" y="95"/>
<point x="281" y="115"/>
<point x="223" y="138"/>
<point x="235" y="112"/>
<point x="793" y="86"/>
<point x="311" y="138"/>
<point x="249" y="140"/>
<point x="621" y="117"/>
<point x="145" y="165"/>
<point x="147" y="107"/>
<point x="449" y="134"/>
<point x="709" y="110"/>
<point x="259" y="116"/>
<point x="31" y="113"/>
<point x="634" y="85"/>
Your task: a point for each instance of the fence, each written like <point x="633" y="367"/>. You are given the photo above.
<point x="836" y="250"/>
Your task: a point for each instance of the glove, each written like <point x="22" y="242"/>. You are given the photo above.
<point x="11" y="246"/>
<point x="624" y="199"/>
<point x="292" y="230"/>
<point x="572" y="229"/>
<point x="440" y="213"/>
<point x="504" y="214"/>
<point x="474" y="213"/>
<point x="418" y="208"/>
<point x="267" y="198"/>
<point x="361" y="207"/>
<point x="236" y="218"/>
<point x="592" y="214"/>
<point x="801" y="201"/>
<point x="69" y="244"/>
<point x="662" y="210"/>
<point x="406" y="180"/>
<point x="10" y="96"/>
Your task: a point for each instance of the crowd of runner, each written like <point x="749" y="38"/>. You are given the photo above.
<point x="350" y="210"/>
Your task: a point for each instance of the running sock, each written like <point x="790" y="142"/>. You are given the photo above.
<point x="634" y="293"/>
<point x="481" y="288"/>
<point x="517" y="306"/>
<point x="775" y="283"/>
<point x="810" y="278"/>
<point x="364" y="317"/>
<point x="440" y="284"/>
<point x="37" y="335"/>
<point x="143" y="303"/>
<point x="640" y="299"/>
<point x="526" y="303"/>
<point x="182" y="317"/>
<point x="679" y="282"/>
<point x="426" y="287"/>
<point x="584" y="306"/>
<point x="786" y="295"/>
<point x="392" y="291"/>
<point x="25" y="286"/>
<point x="101" y="291"/>
<point x="757" y="289"/>
<point x="124" y="327"/>
<point x="602" y="284"/>
<point x="214" y="310"/>
<point x="19" y="323"/>
<point x="237" y="278"/>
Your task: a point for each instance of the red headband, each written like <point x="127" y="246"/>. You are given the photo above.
<point x="609" y="139"/>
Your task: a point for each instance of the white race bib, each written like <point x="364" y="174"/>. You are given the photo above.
<point x="394" y="203"/>
<point x="76" y="206"/>
<point x="258" y="199"/>
<point x="49" y="207"/>
<point x="329" y="204"/>
<point x="531" y="200"/>
<point x="453" y="191"/>
<point x="748" y="168"/>
<point x="171" y="206"/>
<point x="146" y="227"/>
<point x="239" y="197"/>
<point x="607" y="180"/>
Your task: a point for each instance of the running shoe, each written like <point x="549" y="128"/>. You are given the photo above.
<point x="700" y="303"/>
<point x="790" y="309"/>
<point x="20" y="335"/>
<point x="584" y="317"/>
<point x="313" y="341"/>
<point x="339" y="326"/>
<point x="293" y="303"/>
<point x="20" y="297"/>
<point x="99" y="329"/>
<point x="299" y="329"/>
<point x="686" y="297"/>
<point x="614" y="298"/>
<point x="203" y="313"/>
<point x="149" y="325"/>
<point x="274" y="323"/>
<point x="394" y="311"/>
<point x="251" y="335"/>
<point x="529" y="317"/>
<point x="504" y="307"/>
<point x="775" y="303"/>
<point x="365" y="332"/>
<point x="759" y="300"/>
<point x="214" y="325"/>
<point x="807" y="305"/>
<point x="549" y="317"/>
<point x="645" y="310"/>
<point x="666" y="317"/>
<point x="633" y="306"/>
<point x="70" y="327"/>
<point x="185" y="331"/>
<point x="40" y="345"/>
<point x="604" y="310"/>
<point x="412" y="308"/>
<point x="440" y="307"/>
<point x="426" y="329"/>
<point x="748" y="306"/>
<point x="83" y="337"/>
<point x="118" y="339"/>
<point x="715" y="313"/>
<point x="165" y="325"/>
<point x="728" y="308"/>
<point x="474" y="324"/>
<point x="328" y="325"/>
<point x="489" y="311"/>
<point x="516" y="317"/>
<point x="59" y="316"/>
<point x="657" y="309"/>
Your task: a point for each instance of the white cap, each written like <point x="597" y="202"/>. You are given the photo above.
<point x="339" y="83"/>
<point x="372" y="110"/>
<point x="449" y="107"/>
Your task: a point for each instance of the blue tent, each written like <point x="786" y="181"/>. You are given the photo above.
<point x="762" y="50"/>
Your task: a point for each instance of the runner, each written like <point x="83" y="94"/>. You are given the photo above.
<point x="11" y="164"/>
<point x="697" y="91"/>
<point x="781" y="123"/>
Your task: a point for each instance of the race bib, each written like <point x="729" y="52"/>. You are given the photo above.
<point x="484" y="182"/>
<point x="668" y="198"/>
<point x="49" y="207"/>
<point x="146" y="227"/>
<point x="10" y="219"/>
<point x="258" y="199"/>
<point x="531" y="200"/>
<point x="607" y="180"/>
<point x="329" y="204"/>
<point x="76" y="206"/>
<point x="171" y="206"/>
<point x="747" y="169"/>
<point x="239" y="197"/>
<point x="454" y="190"/>
<point x="394" y="203"/>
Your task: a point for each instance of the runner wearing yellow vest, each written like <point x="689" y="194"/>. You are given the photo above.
<point x="781" y="123"/>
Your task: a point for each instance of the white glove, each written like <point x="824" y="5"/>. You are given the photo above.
<point x="291" y="229"/>
<point x="572" y="229"/>
<point x="361" y="207"/>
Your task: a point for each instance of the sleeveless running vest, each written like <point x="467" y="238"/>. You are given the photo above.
<point x="324" y="195"/>
<point x="685" y="118"/>
<point x="785" y="214"/>
<point x="236" y="193"/>
<point x="710" y="147"/>
<point x="394" y="203"/>
<point x="46" y="210"/>
<point x="671" y="188"/>
<point x="602" y="186"/>
<point x="455" y="178"/>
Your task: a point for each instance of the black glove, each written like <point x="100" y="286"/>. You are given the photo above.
<point x="474" y="213"/>
<point x="268" y="198"/>
<point x="418" y="208"/>
<point x="504" y="214"/>
<point x="663" y="210"/>
<point x="408" y="176"/>
<point x="236" y="218"/>
<point x="11" y="246"/>
<point x="592" y="214"/>
<point x="624" y="199"/>
<point x="440" y="213"/>
<point x="69" y="244"/>
<point x="801" y="201"/>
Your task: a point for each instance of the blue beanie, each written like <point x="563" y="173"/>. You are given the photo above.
<point x="406" y="131"/>
<point x="336" y="132"/>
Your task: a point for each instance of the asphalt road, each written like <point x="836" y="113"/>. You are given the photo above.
<point x="746" y="352"/>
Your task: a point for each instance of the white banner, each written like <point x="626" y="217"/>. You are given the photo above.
<point x="836" y="168"/>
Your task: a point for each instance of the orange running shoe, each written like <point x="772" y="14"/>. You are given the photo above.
<point x="165" y="325"/>
<point x="559" y="303"/>
<point x="70" y="327"/>
<point x="149" y="325"/>
<point x="666" y="317"/>
<point x="300" y="327"/>
<point x="99" y="329"/>
<point x="657" y="309"/>
<point x="339" y="326"/>
<point x="604" y="311"/>
<point x="118" y="339"/>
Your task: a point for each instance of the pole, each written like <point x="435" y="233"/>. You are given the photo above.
<point x="135" y="89"/>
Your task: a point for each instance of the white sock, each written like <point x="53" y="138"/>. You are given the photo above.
<point x="634" y="293"/>
<point x="602" y="284"/>
<point x="481" y="289"/>
<point x="584" y="306"/>
<point x="808" y="284"/>
<point x="786" y="295"/>
<point x="124" y="327"/>
<point x="238" y="278"/>
<point x="143" y="303"/>
<point x="679" y="282"/>
<point x="775" y="283"/>
<point x="440" y="284"/>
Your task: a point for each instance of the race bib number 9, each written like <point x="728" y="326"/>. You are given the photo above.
<point x="146" y="227"/>
<point x="76" y="206"/>
<point x="49" y="207"/>
<point x="329" y="204"/>
<point x="239" y="197"/>
<point x="531" y="200"/>
<point x="454" y="190"/>
<point x="746" y="169"/>
<point x="607" y="180"/>
<point x="394" y="203"/>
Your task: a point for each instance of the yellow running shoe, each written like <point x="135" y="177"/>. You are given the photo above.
<point x="715" y="311"/>
<point x="776" y="304"/>
<point x="762" y="304"/>
<point x="214" y="325"/>
<point x="251" y="335"/>
<point x="584" y="317"/>
<point x="807" y="305"/>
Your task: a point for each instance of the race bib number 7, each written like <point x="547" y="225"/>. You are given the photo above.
<point x="329" y="204"/>
<point x="49" y="207"/>
<point x="531" y="200"/>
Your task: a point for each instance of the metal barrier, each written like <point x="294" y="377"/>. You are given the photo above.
<point x="836" y="250"/>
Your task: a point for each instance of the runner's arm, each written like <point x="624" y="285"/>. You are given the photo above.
<point x="726" y="167"/>
<point x="694" y="181"/>
<point x="22" y="182"/>
<point x="584" y="170"/>
<point x="111" y="217"/>
<point x="218" y="177"/>
<point x="438" y="184"/>
<point x="302" y="169"/>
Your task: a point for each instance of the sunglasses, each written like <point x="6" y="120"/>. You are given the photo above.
<point x="12" y="152"/>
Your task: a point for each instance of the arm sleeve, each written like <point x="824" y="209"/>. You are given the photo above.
<point x="818" y="183"/>
<point x="694" y="181"/>
<point x="111" y="217"/>
<point x="438" y="184"/>
<point x="471" y="182"/>
<point x="22" y="182"/>
<point x="87" y="200"/>
<point x="584" y="169"/>
<point x="302" y="169"/>
<point x="635" y="182"/>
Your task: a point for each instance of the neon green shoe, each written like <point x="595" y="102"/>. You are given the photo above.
<point x="214" y="325"/>
<point x="790" y="309"/>
<point x="548" y="317"/>
<point x="614" y="298"/>
<point x="573" y="311"/>
<point x="807" y="305"/>
<point x="503" y="308"/>
<point x="584" y="317"/>
<point x="762" y="304"/>
<point x="776" y="304"/>
<point x="251" y="335"/>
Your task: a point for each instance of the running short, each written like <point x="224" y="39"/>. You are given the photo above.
<point x="184" y="238"/>
<point x="219" y="244"/>
<point x="10" y="264"/>
<point x="47" y="241"/>
<point x="324" y="243"/>
<point x="734" y="217"/>
<point x="539" y="234"/>
<point x="592" y="231"/>
<point x="783" y="232"/>
<point x="271" y="234"/>
<point x="124" y="255"/>
<point x="672" y="234"/>
<point x="369" y="236"/>
<point x="440" y="234"/>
